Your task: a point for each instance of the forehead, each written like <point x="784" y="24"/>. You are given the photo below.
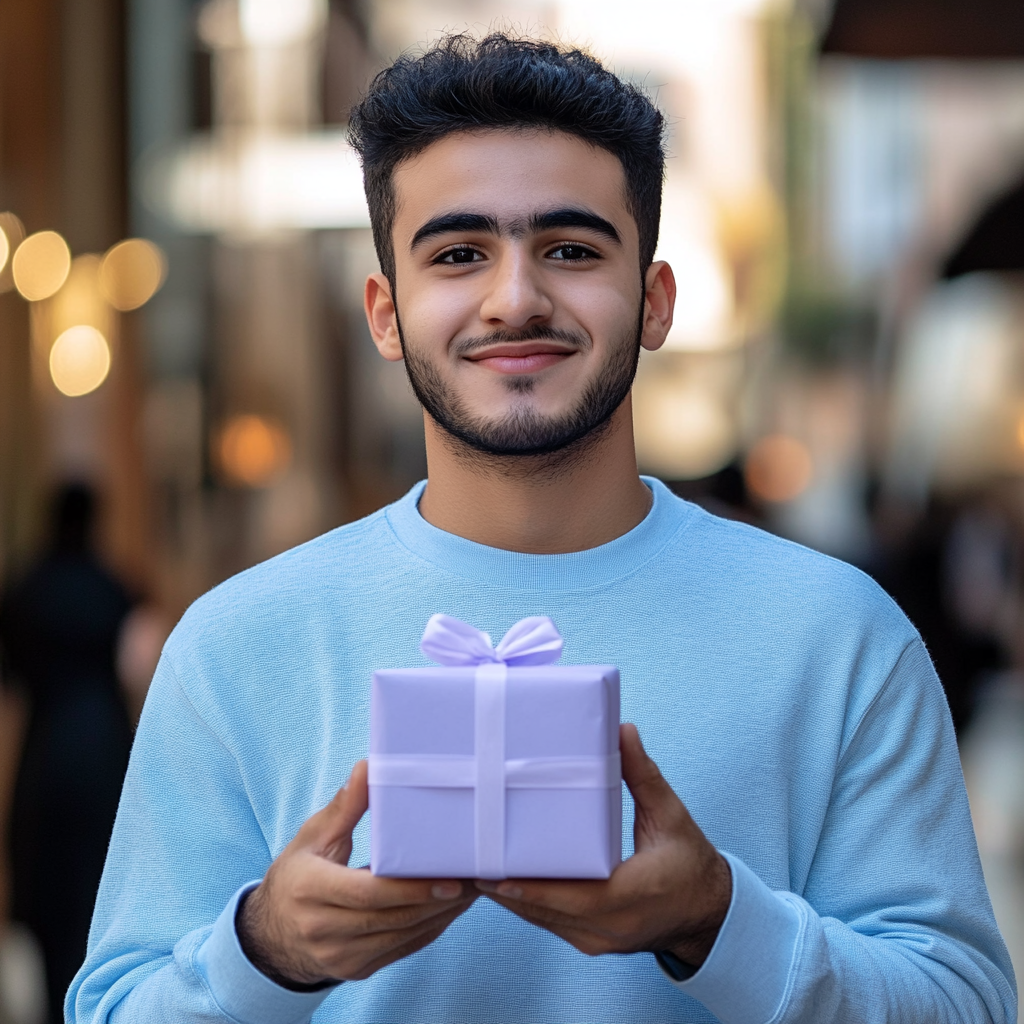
<point x="508" y="174"/>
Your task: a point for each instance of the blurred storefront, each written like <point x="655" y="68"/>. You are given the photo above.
<point x="184" y="241"/>
<point x="245" y="410"/>
<point x="831" y="359"/>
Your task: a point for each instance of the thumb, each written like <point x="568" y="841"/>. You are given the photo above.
<point x="657" y="806"/>
<point x="329" y="831"/>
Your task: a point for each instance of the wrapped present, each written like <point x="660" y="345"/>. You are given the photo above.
<point x="499" y="764"/>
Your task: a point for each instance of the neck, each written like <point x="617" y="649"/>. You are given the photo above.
<point x="537" y="505"/>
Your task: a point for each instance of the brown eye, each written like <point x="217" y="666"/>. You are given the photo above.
<point x="573" y="253"/>
<point x="459" y="256"/>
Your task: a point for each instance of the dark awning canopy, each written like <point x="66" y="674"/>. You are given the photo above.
<point x="996" y="241"/>
<point x="907" y="29"/>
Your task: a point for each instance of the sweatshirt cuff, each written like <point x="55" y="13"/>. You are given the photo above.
<point x="746" y="977"/>
<point x="242" y="992"/>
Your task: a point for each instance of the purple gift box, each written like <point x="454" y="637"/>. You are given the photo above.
<point x="497" y="765"/>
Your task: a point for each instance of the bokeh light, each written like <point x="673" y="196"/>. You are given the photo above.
<point x="41" y="265"/>
<point x="253" y="451"/>
<point x="132" y="273"/>
<point x="80" y="301"/>
<point x="682" y="432"/>
<point x="13" y="234"/>
<point x="79" y="360"/>
<point x="778" y="468"/>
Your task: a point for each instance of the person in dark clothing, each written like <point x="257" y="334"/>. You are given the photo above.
<point x="933" y="579"/>
<point x="59" y="627"/>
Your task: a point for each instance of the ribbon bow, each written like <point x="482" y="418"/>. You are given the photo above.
<point x="531" y="641"/>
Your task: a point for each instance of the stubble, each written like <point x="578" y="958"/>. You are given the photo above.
<point x="523" y="436"/>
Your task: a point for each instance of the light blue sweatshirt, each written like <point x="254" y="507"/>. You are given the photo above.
<point x="786" y="699"/>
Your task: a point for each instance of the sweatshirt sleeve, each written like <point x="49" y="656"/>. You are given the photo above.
<point x="894" y="923"/>
<point x="163" y="945"/>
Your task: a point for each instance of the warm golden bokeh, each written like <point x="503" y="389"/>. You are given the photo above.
<point x="682" y="430"/>
<point x="41" y="265"/>
<point x="253" y="451"/>
<point x="80" y="300"/>
<point x="778" y="468"/>
<point x="132" y="272"/>
<point x="78" y="304"/>
<point x="79" y="360"/>
<point x="13" y="232"/>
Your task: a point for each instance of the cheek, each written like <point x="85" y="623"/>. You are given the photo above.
<point x="605" y="310"/>
<point x="434" y="315"/>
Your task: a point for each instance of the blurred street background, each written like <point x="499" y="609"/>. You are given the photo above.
<point x="187" y="385"/>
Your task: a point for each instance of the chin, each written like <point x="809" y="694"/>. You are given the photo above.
<point x="502" y="410"/>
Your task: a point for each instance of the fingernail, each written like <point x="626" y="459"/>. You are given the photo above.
<point x="446" y="890"/>
<point x="513" y="892"/>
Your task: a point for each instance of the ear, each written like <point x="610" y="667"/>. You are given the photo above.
<point x="382" y="317"/>
<point x="659" y="303"/>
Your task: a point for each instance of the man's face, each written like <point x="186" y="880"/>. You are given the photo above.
<point x="519" y="296"/>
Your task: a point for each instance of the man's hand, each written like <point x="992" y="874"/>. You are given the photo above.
<point x="313" y="919"/>
<point x="672" y="894"/>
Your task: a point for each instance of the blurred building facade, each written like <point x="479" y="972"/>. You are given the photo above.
<point x="839" y="372"/>
<point x="62" y="168"/>
<point x="820" y="356"/>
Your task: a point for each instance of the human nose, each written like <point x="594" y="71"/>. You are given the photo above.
<point x="515" y="297"/>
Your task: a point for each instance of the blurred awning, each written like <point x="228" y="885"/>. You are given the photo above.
<point x="903" y="29"/>
<point x="238" y="183"/>
<point x="996" y="241"/>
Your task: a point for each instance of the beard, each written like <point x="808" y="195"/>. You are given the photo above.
<point x="523" y="431"/>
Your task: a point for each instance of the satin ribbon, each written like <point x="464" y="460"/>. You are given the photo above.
<point x="531" y="641"/>
<point x="458" y="771"/>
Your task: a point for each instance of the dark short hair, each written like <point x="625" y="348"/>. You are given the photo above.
<point x="500" y="83"/>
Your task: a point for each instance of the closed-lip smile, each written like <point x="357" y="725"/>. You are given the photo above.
<point x="521" y="357"/>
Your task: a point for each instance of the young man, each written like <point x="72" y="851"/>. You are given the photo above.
<point x="828" y="871"/>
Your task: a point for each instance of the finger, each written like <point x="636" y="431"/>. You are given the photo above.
<point x="344" y="812"/>
<point x="592" y="937"/>
<point x="571" y="898"/>
<point x="591" y="943"/>
<point x="396" y="919"/>
<point x="382" y="949"/>
<point x="357" y="889"/>
<point x="658" y="807"/>
<point x="543" y="917"/>
<point x="641" y="774"/>
<point x="329" y="830"/>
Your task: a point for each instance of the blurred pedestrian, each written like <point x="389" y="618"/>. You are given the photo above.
<point x="951" y="573"/>
<point x="59" y="629"/>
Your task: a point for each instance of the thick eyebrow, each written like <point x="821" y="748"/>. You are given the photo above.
<point x="571" y="217"/>
<point x="568" y="217"/>
<point x="455" y="222"/>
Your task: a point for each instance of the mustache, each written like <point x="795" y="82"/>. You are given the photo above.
<point x="576" y="339"/>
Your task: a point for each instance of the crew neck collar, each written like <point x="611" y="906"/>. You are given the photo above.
<point x="594" y="567"/>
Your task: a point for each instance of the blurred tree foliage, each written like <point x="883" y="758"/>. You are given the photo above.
<point x="818" y="323"/>
<point x="823" y="328"/>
